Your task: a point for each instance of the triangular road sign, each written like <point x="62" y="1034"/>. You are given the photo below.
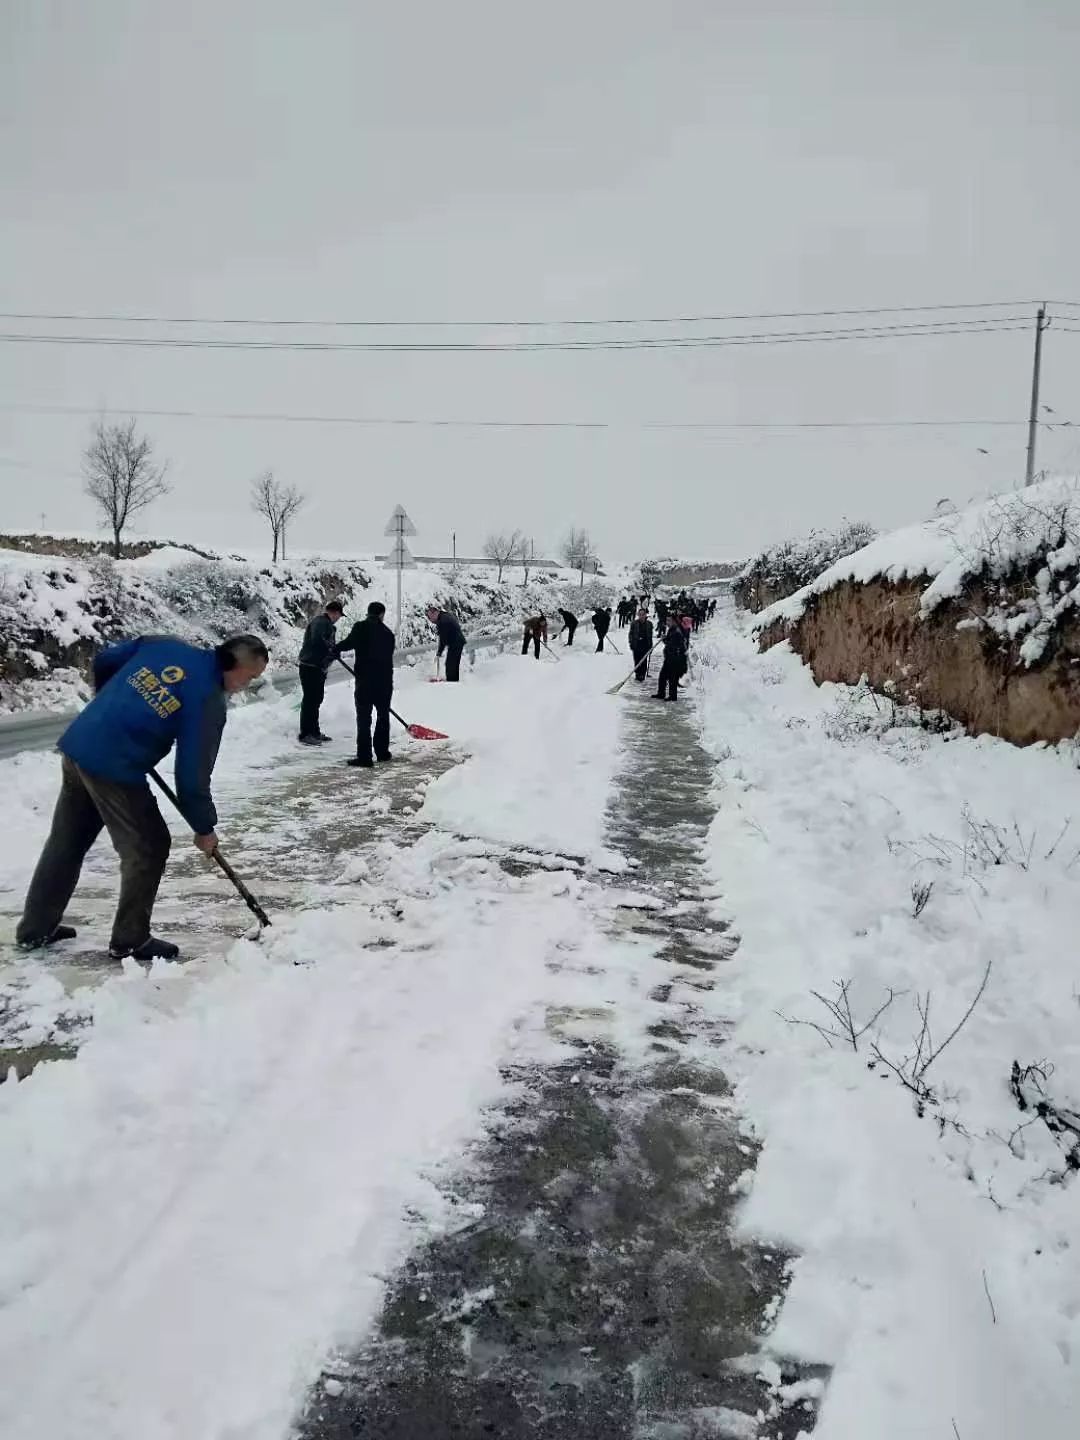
<point x="400" y="557"/>
<point x="399" y="523"/>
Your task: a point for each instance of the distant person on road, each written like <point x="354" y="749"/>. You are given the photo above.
<point x="641" y="642"/>
<point x="675" y="664"/>
<point x="570" y="624"/>
<point x="149" y="694"/>
<point x="451" y="639"/>
<point x="316" y="653"/>
<point x="536" y="633"/>
<point x="687" y="623"/>
<point x="373" y="642"/>
<point x="601" y="622"/>
<point x="661" y="613"/>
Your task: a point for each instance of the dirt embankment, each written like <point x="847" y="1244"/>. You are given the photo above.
<point x="876" y="630"/>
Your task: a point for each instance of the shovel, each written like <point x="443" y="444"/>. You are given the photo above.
<point x="219" y="859"/>
<point x="418" y="732"/>
<point x="644" y="661"/>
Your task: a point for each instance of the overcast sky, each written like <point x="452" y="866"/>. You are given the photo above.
<point x="499" y="161"/>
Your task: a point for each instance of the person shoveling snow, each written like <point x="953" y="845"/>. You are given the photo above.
<point x="151" y="693"/>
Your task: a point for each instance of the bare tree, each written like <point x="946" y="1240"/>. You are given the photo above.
<point x="120" y="475"/>
<point x="277" y="504"/>
<point x="526" y="555"/>
<point x="503" y="549"/>
<point x="577" y="551"/>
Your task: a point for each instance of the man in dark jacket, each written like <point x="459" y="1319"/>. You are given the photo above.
<point x="674" y="666"/>
<point x="151" y="693"/>
<point x="315" y="655"/>
<point x="373" y="643"/>
<point x="641" y="642"/>
<point x="601" y="621"/>
<point x="451" y="639"/>
<point x="535" y="634"/>
<point x="570" y="624"/>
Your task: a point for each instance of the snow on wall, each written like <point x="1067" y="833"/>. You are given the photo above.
<point x="1022" y="548"/>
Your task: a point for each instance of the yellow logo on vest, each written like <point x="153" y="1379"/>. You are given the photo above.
<point x="171" y="674"/>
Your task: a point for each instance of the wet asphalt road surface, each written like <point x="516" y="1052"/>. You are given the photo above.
<point x="599" y="1294"/>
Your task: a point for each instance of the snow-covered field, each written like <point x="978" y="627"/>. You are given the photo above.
<point x="940" y="1269"/>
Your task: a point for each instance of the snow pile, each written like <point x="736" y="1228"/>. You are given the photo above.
<point x="1021" y="551"/>
<point x="538" y="777"/>
<point x="910" y="881"/>
<point x="784" y="569"/>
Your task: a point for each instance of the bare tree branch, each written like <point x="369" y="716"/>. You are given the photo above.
<point x="277" y="504"/>
<point x="503" y="549"/>
<point x="577" y="551"/>
<point x="121" y="476"/>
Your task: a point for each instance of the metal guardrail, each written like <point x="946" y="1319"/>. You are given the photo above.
<point x="41" y="732"/>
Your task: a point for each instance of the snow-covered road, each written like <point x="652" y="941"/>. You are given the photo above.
<point x="189" y="1209"/>
<point x="221" y="1190"/>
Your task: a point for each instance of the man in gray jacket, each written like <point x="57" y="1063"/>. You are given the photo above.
<point x="316" y="654"/>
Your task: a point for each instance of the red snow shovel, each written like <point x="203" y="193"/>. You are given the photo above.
<point x="418" y="732"/>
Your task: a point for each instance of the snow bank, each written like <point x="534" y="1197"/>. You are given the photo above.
<point x="939" y="1272"/>
<point x="539" y="774"/>
<point x="991" y="540"/>
<point x="55" y="611"/>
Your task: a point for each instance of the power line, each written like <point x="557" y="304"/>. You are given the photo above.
<point x="424" y="422"/>
<point x="681" y="342"/>
<point x="522" y="324"/>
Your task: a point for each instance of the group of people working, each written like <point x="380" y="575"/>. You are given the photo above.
<point x="371" y="643"/>
<point x="676" y="619"/>
<point x="154" y="692"/>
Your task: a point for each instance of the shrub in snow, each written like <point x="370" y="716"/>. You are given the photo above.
<point x="784" y="569"/>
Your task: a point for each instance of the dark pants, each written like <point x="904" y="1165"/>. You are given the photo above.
<point x="601" y="636"/>
<point x="668" y="687"/>
<point x="453" y="661"/>
<point x="641" y="664"/>
<point x="313" y="688"/>
<point x="88" y="804"/>
<point x="571" y="630"/>
<point x="367" y="700"/>
<point x="534" y="640"/>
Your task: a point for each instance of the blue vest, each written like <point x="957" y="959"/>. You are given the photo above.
<point x="152" y="693"/>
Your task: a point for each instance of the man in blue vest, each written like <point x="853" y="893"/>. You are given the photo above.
<point x="151" y="693"/>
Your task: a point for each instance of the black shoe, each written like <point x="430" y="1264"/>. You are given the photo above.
<point x="152" y="949"/>
<point x="62" y="932"/>
<point x="324" y="739"/>
<point x="384" y="758"/>
<point x="309" y="740"/>
<point x="358" y="763"/>
<point x="658" y="696"/>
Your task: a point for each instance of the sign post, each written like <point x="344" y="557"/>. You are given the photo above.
<point x="400" y="557"/>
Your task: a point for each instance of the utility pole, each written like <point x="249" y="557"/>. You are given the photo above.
<point x="1033" y="419"/>
<point x="453" y="541"/>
